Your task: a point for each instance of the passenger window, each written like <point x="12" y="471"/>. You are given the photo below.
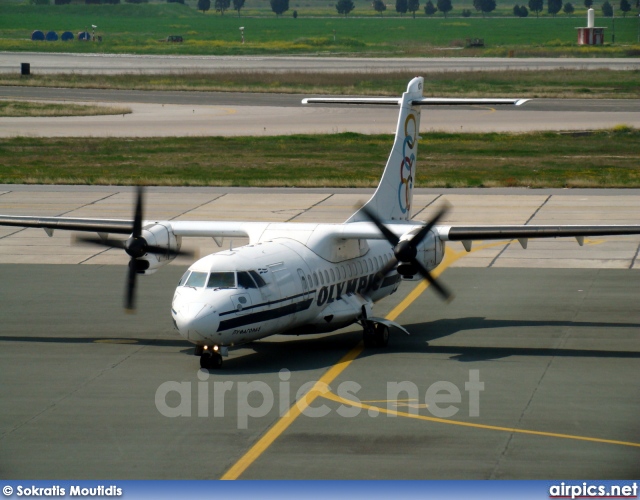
<point x="326" y="276"/>
<point x="222" y="280"/>
<point x="315" y="279"/>
<point x="333" y="275"/>
<point x="364" y="264"/>
<point x="196" y="280"/>
<point x="309" y="280"/>
<point x="321" y="278"/>
<point x="245" y="281"/>
<point x="359" y="267"/>
<point x="258" y="279"/>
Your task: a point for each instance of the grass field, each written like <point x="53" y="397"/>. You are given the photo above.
<point x="557" y="83"/>
<point x="130" y="28"/>
<point x="599" y="159"/>
<point x="22" y="109"/>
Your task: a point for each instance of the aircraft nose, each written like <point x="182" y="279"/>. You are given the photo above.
<point x="196" y="320"/>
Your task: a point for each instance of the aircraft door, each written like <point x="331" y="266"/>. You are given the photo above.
<point x="303" y="282"/>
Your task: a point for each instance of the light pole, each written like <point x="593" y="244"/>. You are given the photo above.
<point x="93" y="38"/>
<point x="242" y="33"/>
<point x="613" y="25"/>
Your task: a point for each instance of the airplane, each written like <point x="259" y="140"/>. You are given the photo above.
<point x="302" y="278"/>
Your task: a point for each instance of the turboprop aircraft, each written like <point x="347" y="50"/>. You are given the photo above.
<point x="297" y="278"/>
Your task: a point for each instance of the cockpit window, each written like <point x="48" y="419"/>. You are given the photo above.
<point x="258" y="279"/>
<point x="183" y="280"/>
<point x="245" y="281"/>
<point x="196" y="279"/>
<point x="222" y="280"/>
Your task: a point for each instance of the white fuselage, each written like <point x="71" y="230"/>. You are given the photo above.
<point x="279" y="286"/>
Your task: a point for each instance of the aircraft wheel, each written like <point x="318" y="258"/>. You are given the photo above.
<point x="369" y="334"/>
<point x="381" y="335"/>
<point x="216" y="361"/>
<point x="205" y="360"/>
<point x="211" y="361"/>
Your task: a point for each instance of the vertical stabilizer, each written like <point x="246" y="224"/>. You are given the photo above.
<point x="394" y="195"/>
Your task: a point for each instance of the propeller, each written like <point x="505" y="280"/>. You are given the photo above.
<point x="406" y="251"/>
<point x="136" y="246"/>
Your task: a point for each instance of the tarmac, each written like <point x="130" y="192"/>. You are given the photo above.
<point x="531" y="372"/>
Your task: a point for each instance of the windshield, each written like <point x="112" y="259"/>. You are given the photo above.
<point x="196" y="279"/>
<point x="222" y="280"/>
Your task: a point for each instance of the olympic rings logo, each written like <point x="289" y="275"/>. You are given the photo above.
<point x="406" y="166"/>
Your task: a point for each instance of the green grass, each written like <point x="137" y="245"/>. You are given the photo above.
<point x="130" y="28"/>
<point x="599" y="159"/>
<point x="557" y="83"/>
<point x="22" y="109"/>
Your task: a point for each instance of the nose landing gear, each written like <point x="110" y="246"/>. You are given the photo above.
<point x="210" y="360"/>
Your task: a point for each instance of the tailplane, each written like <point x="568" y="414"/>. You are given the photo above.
<point x="393" y="198"/>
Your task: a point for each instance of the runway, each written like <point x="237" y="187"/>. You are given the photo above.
<point x="551" y="332"/>
<point x="161" y="114"/>
<point x="128" y="63"/>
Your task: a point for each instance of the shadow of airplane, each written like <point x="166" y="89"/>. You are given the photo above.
<point x="320" y="351"/>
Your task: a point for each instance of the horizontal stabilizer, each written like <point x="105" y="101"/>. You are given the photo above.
<point x="425" y="101"/>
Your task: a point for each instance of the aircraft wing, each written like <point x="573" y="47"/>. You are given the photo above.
<point x="217" y="229"/>
<point x="115" y="226"/>
<point x="467" y="234"/>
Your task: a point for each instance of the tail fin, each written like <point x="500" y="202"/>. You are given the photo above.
<point x="394" y="195"/>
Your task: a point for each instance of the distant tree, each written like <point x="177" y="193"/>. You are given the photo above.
<point x="39" y="2"/>
<point x="401" y="7"/>
<point x="516" y="10"/>
<point x="487" y="6"/>
<point x="625" y="7"/>
<point x="413" y="6"/>
<point x="61" y="2"/>
<point x="237" y="5"/>
<point x="345" y="6"/>
<point x="588" y="3"/>
<point x="279" y="6"/>
<point x="554" y="6"/>
<point x="444" y="6"/>
<point x="379" y="6"/>
<point x="136" y="1"/>
<point x="204" y="5"/>
<point x="476" y="5"/>
<point x="536" y="6"/>
<point x="176" y="1"/>
<point x="466" y="13"/>
<point x="88" y="2"/>
<point x="430" y="9"/>
<point x="568" y="8"/>
<point x="295" y="14"/>
<point x="524" y="12"/>
<point x="221" y="5"/>
<point x="607" y="9"/>
<point x="114" y="2"/>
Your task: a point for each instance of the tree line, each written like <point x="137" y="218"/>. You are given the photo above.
<point x="345" y="7"/>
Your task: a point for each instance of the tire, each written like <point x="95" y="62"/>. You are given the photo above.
<point x="381" y="335"/>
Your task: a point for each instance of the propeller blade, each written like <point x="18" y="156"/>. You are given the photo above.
<point x="427" y="227"/>
<point x="137" y="219"/>
<point x="380" y="275"/>
<point x="388" y="234"/>
<point x="442" y="290"/>
<point x="129" y="303"/>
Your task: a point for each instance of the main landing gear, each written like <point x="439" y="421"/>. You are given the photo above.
<point x="209" y="359"/>
<point x="375" y="334"/>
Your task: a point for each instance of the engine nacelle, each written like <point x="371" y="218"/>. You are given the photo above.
<point x="430" y="252"/>
<point x="158" y="235"/>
